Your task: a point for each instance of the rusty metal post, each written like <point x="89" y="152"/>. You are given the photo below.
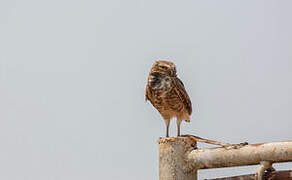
<point x="173" y="162"/>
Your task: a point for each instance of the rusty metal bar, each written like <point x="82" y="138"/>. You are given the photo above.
<point x="243" y="156"/>
<point x="275" y="175"/>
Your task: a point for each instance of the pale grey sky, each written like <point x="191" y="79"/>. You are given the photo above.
<point x="73" y="75"/>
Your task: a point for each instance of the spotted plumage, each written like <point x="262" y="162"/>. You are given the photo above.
<point x="167" y="94"/>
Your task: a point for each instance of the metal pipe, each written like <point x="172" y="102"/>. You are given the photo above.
<point x="173" y="163"/>
<point x="242" y="156"/>
<point x="179" y="158"/>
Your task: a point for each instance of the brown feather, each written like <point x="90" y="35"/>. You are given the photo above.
<point x="182" y="93"/>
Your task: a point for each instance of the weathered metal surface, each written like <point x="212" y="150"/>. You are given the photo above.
<point x="275" y="175"/>
<point x="242" y="156"/>
<point x="179" y="158"/>
<point x="173" y="162"/>
<point x="265" y="166"/>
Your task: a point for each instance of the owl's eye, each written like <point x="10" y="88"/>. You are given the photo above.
<point x="163" y="67"/>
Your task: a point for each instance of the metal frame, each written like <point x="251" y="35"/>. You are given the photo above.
<point x="180" y="159"/>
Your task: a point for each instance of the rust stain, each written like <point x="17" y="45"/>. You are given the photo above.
<point x="256" y="145"/>
<point x="276" y="175"/>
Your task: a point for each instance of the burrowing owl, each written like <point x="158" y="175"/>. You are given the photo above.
<point x="167" y="94"/>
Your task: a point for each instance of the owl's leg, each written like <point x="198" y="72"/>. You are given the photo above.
<point x="167" y="121"/>
<point x="178" y="121"/>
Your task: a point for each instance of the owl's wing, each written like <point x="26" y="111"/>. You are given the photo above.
<point x="182" y="93"/>
<point x="147" y="93"/>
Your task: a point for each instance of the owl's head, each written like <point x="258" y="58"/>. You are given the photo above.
<point x="164" y="67"/>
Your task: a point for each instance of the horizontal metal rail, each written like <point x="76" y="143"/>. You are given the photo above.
<point x="180" y="159"/>
<point x="247" y="155"/>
